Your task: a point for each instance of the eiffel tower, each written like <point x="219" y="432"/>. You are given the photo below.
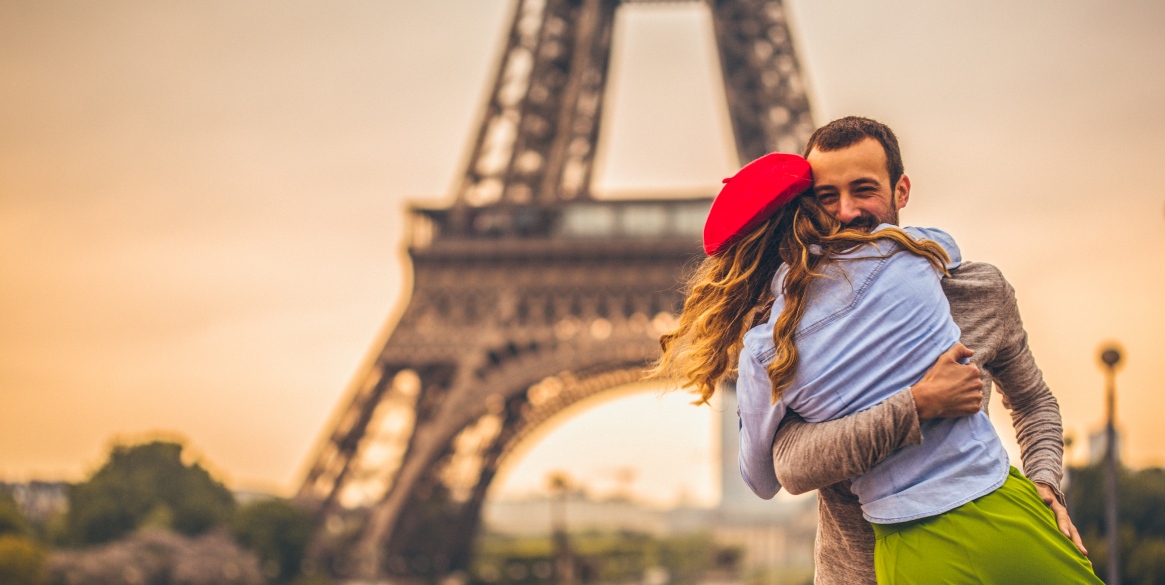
<point x="528" y="293"/>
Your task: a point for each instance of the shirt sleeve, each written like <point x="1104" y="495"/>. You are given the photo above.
<point x="1035" y="413"/>
<point x="759" y="420"/>
<point x="809" y="456"/>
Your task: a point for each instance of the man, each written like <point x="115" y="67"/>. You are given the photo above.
<point x="858" y="178"/>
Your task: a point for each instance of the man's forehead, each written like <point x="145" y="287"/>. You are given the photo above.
<point x="863" y="161"/>
<point x="853" y="178"/>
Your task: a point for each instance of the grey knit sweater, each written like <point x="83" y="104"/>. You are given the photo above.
<point x="824" y="455"/>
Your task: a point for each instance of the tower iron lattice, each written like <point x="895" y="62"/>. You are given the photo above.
<point x="528" y="294"/>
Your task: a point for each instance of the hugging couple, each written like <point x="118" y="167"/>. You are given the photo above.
<point x="864" y="356"/>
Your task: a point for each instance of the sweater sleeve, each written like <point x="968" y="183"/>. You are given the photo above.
<point x="1035" y="413"/>
<point x="809" y="456"/>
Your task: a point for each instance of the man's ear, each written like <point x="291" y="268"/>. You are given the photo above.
<point x="902" y="192"/>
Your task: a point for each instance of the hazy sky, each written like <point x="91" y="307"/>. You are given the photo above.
<point x="200" y="203"/>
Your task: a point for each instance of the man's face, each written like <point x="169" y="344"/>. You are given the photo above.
<point x="853" y="185"/>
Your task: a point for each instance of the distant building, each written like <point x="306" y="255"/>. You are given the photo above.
<point x="1097" y="441"/>
<point x="39" y="501"/>
<point x="737" y="502"/>
<point x="738" y="505"/>
<point x="775" y="533"/>
<point x="531" y="516"/>
<point x="245" y="497"/>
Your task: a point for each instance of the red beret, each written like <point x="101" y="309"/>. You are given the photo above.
<point x="753" y="195"/>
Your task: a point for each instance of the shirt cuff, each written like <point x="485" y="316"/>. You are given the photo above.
<point x="1050" y="479"/>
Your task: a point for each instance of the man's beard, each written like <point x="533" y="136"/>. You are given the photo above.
<point x="865" y="222"/>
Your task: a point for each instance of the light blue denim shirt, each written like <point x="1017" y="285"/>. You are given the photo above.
<point x="873" y="325"/>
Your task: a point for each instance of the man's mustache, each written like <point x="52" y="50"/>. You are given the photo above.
<point x="864" y="222"/>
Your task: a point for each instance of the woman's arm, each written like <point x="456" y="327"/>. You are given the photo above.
<point x="759" y="419"/>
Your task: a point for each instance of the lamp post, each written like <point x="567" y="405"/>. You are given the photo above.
<point x="560" y="485"/>
<point x="1110" y="356"/>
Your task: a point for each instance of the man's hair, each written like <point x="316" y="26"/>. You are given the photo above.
<point x="848" y="131"/>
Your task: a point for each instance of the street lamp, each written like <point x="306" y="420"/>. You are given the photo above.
<point x="560" y="484"/>
<point x="1110" y="356"/>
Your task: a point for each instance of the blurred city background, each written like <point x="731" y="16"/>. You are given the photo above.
<point x="204" y="210"/>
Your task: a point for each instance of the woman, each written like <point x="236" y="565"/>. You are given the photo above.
<point x="856" y="316"/>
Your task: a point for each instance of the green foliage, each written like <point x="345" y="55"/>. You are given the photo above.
<point x="312" y="580"/>
<point x="688" y="557"/>
<point x="56" y="531"/>
<point x="11" y="520"/>
<point x="622" y="557"/>
<point x="159" y="557"/>
<point x="1141" y="514"/>
<point x="277" y="531"/>
<point x="145" y="485"/>
<point x="22" y="561"/>
<point x="1147" y="562"/>
<point x="803" y="576"/>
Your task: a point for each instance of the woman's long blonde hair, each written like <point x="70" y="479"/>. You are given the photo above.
<point x="731" y="292"/>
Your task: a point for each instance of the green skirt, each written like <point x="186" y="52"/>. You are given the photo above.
<point x="1008" y="536"/>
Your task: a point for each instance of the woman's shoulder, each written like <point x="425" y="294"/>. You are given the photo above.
<point x="887" y="273"/>
<point x="937" y="236"/>
<point x="888" y="252"/>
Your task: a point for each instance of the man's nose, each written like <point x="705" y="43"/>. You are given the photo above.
<point x="847" y="211"/>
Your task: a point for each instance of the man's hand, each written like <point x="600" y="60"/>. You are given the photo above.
<point x="949" y="389"/>
<point x="1062" y="519"/>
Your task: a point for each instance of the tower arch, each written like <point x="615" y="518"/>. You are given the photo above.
<point x="528" y="294"/>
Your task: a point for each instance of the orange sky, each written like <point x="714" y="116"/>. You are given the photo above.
<point x="200" y="204"/>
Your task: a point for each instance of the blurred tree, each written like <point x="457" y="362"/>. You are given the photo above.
<point x="1142" y="521"/>
<point x="145" y="485"/>
<point x="22" y="561"/>
<point x="11" y="519"/>
<point x="312" y="580"/>
<point x="278" y="532"/>
<point x="620" y="557"/>
<point x="159" y="557"/>
<point x="1147" y="564"/>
